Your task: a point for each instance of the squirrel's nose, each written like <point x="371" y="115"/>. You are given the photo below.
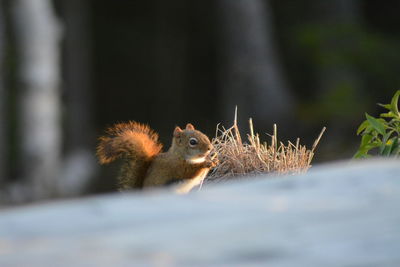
<point x="210" y="147"/>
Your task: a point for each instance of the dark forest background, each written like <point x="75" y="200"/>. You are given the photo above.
<point x="71" y="68"/>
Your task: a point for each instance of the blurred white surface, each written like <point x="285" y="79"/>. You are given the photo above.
<point x="342" y="214"/>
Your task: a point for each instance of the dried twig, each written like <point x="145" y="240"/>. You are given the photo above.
<point x="237" y="158"/>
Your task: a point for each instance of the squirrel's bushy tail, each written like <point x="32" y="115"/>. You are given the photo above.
<point x="130" y="140"/>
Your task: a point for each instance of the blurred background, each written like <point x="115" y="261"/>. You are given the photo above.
<point x="71" y="68"/>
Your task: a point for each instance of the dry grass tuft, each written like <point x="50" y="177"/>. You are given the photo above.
<point x="238" y="158"/>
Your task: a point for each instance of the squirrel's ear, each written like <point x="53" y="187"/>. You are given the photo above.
<point x="177" y="131"/>
<point x="189" y="126"/>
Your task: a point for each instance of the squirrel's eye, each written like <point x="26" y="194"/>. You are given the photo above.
<point x="193" y="141"/>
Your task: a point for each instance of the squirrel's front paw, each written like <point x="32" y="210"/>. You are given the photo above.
<point x="211" y="163"/>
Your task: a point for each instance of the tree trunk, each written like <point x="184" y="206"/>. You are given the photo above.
<point x="80" y="163"/>
<point x="3" y="124"/>
<point x="38" y="45"/>
<point x="251" y="74"/>
<point x="170" y="61"/>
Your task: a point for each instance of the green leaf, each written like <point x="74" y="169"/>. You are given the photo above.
<point x="386" y="137"/>
<point x="395" y="147"/>
<point x="386" y="151"/>
<point x="381" y="133"/>
<point x="365" y="139"/>
<point x="367" y="143"/>
<point x="385" y="148"/>
<point x="362" y="126"/>
<point x="384" y="122"/>
<point x="378" y="125"/>
<point x="388" y="115"/>
<point x="394" y="102"/>
<point x="387" y="106"/>
<point x="381" y="149"/>
<point x="365" y="146"/>
<point x="360" y="154"/>
<point x="372" y="146"/>
<point x="369" y="129"/>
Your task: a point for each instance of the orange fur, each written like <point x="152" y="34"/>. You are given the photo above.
<point x="131" y="140"/>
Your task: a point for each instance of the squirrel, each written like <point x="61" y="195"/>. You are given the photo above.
<point x="187" y="161"/>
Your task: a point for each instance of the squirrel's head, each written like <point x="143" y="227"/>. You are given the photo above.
<point x="190" y="143"/>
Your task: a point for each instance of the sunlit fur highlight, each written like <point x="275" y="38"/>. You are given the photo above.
<point x="132" y="140"/>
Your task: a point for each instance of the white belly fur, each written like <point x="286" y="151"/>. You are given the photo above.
<point x="188" y="185"/>
<point x="197" y="160"/>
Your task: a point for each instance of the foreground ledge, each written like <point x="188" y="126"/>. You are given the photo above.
<point x="342" y="214"/>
